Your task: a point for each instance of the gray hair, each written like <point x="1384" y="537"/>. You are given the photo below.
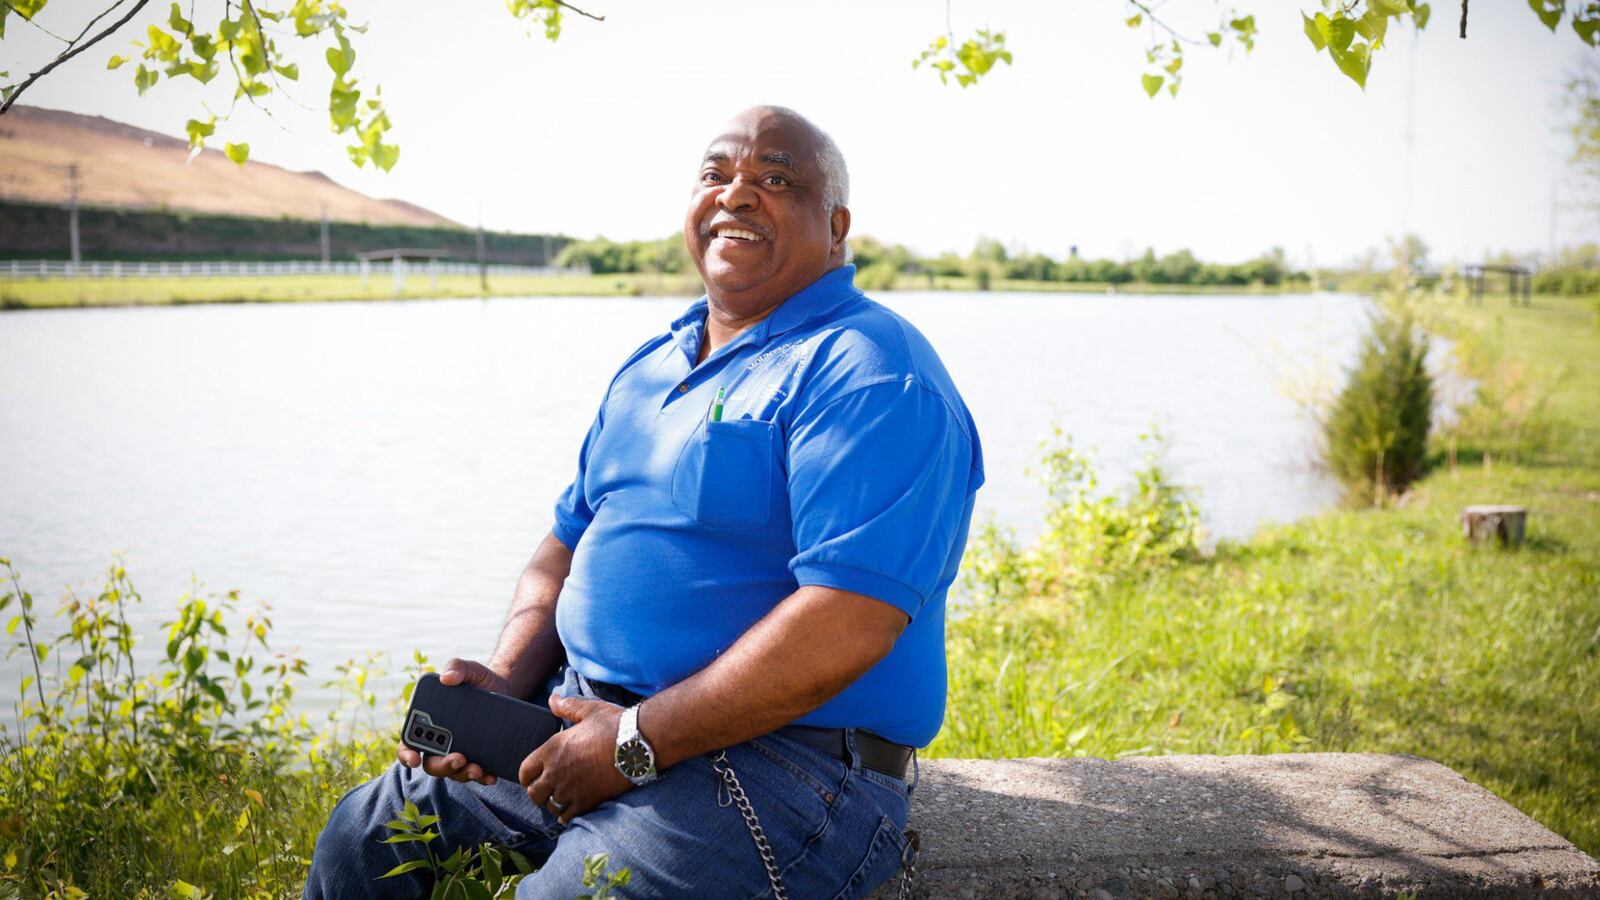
<point x="830" y="162"/>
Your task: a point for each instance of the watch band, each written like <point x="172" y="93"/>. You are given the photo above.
<point x="635" y="758"/>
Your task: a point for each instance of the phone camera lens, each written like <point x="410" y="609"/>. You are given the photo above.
<point x="416" y="732"/>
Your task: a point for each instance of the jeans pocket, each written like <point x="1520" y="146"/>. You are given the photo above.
<point x="724" y="476"/>
<point x="884" y="856"/>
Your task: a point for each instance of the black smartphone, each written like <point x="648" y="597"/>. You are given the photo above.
<point x="495" y="731"/>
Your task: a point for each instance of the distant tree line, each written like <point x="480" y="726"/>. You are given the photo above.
<point x="990" y="261"/>
<point x="882" y="265"/>
<point x="40" y="231"/>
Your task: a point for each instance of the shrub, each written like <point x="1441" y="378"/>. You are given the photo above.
<point x="1376" y="435"/>
<point x="1090" y="536"/>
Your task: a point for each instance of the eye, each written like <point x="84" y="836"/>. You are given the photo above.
<point x="777" y="180"/>
<point x="711" y="176"/>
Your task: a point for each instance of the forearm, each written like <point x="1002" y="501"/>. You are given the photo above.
<point x="529" y="650"/>
<point x="809" y="648"/>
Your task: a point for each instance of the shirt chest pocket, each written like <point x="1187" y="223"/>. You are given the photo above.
<point x="724" y="476"/>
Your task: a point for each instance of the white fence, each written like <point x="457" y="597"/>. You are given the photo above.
<point x="44" y="268"/>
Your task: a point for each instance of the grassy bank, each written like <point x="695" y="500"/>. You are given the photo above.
<point x="74" y="292"/>
<point x="31" y="293"/>
<point x="1376" y="630"/>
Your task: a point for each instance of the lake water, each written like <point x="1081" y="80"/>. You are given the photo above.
<point x="379" y="472"/>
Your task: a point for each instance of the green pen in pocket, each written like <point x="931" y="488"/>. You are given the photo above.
<point x="716" y="405"/>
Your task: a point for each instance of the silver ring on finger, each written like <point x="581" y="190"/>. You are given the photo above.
<point x="556" y="805"/>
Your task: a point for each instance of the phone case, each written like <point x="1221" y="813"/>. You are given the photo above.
<point x="495" y="731"/>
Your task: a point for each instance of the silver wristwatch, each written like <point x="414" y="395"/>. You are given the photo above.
<point x="636" y="759"/>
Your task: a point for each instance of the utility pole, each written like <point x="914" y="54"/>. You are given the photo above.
<point x="1551" y="262"/>
<point x="483" y="256"/>
<point x="327" y="249"/>
<point x="72" y="212"/>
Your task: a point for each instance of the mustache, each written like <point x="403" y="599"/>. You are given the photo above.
<point x="734" y="219"/>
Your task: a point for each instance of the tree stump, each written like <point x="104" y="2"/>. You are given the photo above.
<point x="1508" y="524"/>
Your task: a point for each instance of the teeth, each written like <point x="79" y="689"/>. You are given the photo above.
<point x="739" y="233"/>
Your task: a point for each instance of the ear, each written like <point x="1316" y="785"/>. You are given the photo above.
<point x="839" y="225"/>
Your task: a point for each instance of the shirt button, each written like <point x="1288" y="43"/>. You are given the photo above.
<point x="682" y="388"/>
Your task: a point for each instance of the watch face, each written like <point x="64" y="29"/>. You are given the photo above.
<point x="635" y="760"/>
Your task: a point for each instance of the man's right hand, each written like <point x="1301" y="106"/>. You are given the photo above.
<point x="456" y="766"/>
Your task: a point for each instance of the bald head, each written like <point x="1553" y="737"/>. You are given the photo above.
<point x="769" y="214"/>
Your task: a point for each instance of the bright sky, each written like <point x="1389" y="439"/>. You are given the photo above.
<point x="601" y="132"/>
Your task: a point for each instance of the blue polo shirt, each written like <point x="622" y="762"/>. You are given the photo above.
<point x="844" y="458"/>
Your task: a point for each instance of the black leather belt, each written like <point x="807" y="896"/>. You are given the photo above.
<point x="879" y="754"/>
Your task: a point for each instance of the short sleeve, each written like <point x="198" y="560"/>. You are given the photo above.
<point x="573" y="514"/>
<point x="879" y="485"/>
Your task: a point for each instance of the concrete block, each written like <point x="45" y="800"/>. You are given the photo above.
<point x="1290" y="825"/>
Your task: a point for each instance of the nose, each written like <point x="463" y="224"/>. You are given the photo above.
<point x="738" y="195"/>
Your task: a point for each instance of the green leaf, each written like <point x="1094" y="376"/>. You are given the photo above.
<point x="1388" y="7"/>
<point x="202" y="72"/>
<point x="115" y="62"/>
<point x="11" y="626"/>
<point x="476" y="891"/>
<point x="1152" y="83"/>
<point x="163" y="45"/>
<point x="1341" y="32"/>
<point x="290" y="71"/>
<point x="144" y="79"/>
<point x="178" y="22"/>
<point x="1373" y="26"/>
<point x="1135" y="20"/>
<point x="1215" y="37"/>
<point x="452" y="863"/>
<point x="1355" y="62"/>
<point x="384" y="156"/>
<point x="340" y="58"/>
<point x="1586" y="22"/>
<point x="407" y="838"/>
<point x="408" y="866"/>
<point x="1420" y="15"/>
<point x="199" y="131"/>
<point x="237" y="152"/>
<point x="1548" y="11"/>
<point x="185" y="889"/>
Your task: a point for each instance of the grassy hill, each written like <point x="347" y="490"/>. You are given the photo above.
<point x="120" y="166"/>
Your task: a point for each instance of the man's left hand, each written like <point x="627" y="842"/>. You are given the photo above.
<point x="577" y="768"/>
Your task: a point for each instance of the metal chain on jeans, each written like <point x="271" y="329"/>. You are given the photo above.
<point x="720" y="764"/>
<point x="908" y="863"/>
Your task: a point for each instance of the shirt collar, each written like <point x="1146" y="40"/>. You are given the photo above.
<point x="817" y="299"/>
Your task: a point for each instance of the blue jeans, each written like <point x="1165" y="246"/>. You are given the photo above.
<point x="836" y="828"/>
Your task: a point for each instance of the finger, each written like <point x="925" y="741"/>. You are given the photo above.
<point x="573" y="811"/>
<point x="473" y="772"/>
<point x="408" y="757"/>
<point x="445" y="766"/>
<point x="575" y="709"/>
<point x="451" y="673"/>
<point x="531" y="769"/>
<point x="543" y="792"/>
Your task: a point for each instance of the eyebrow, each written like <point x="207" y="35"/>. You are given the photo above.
<point x="776" y="157"/>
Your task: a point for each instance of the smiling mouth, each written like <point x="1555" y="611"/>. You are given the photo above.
<point x="732" y="233"/>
